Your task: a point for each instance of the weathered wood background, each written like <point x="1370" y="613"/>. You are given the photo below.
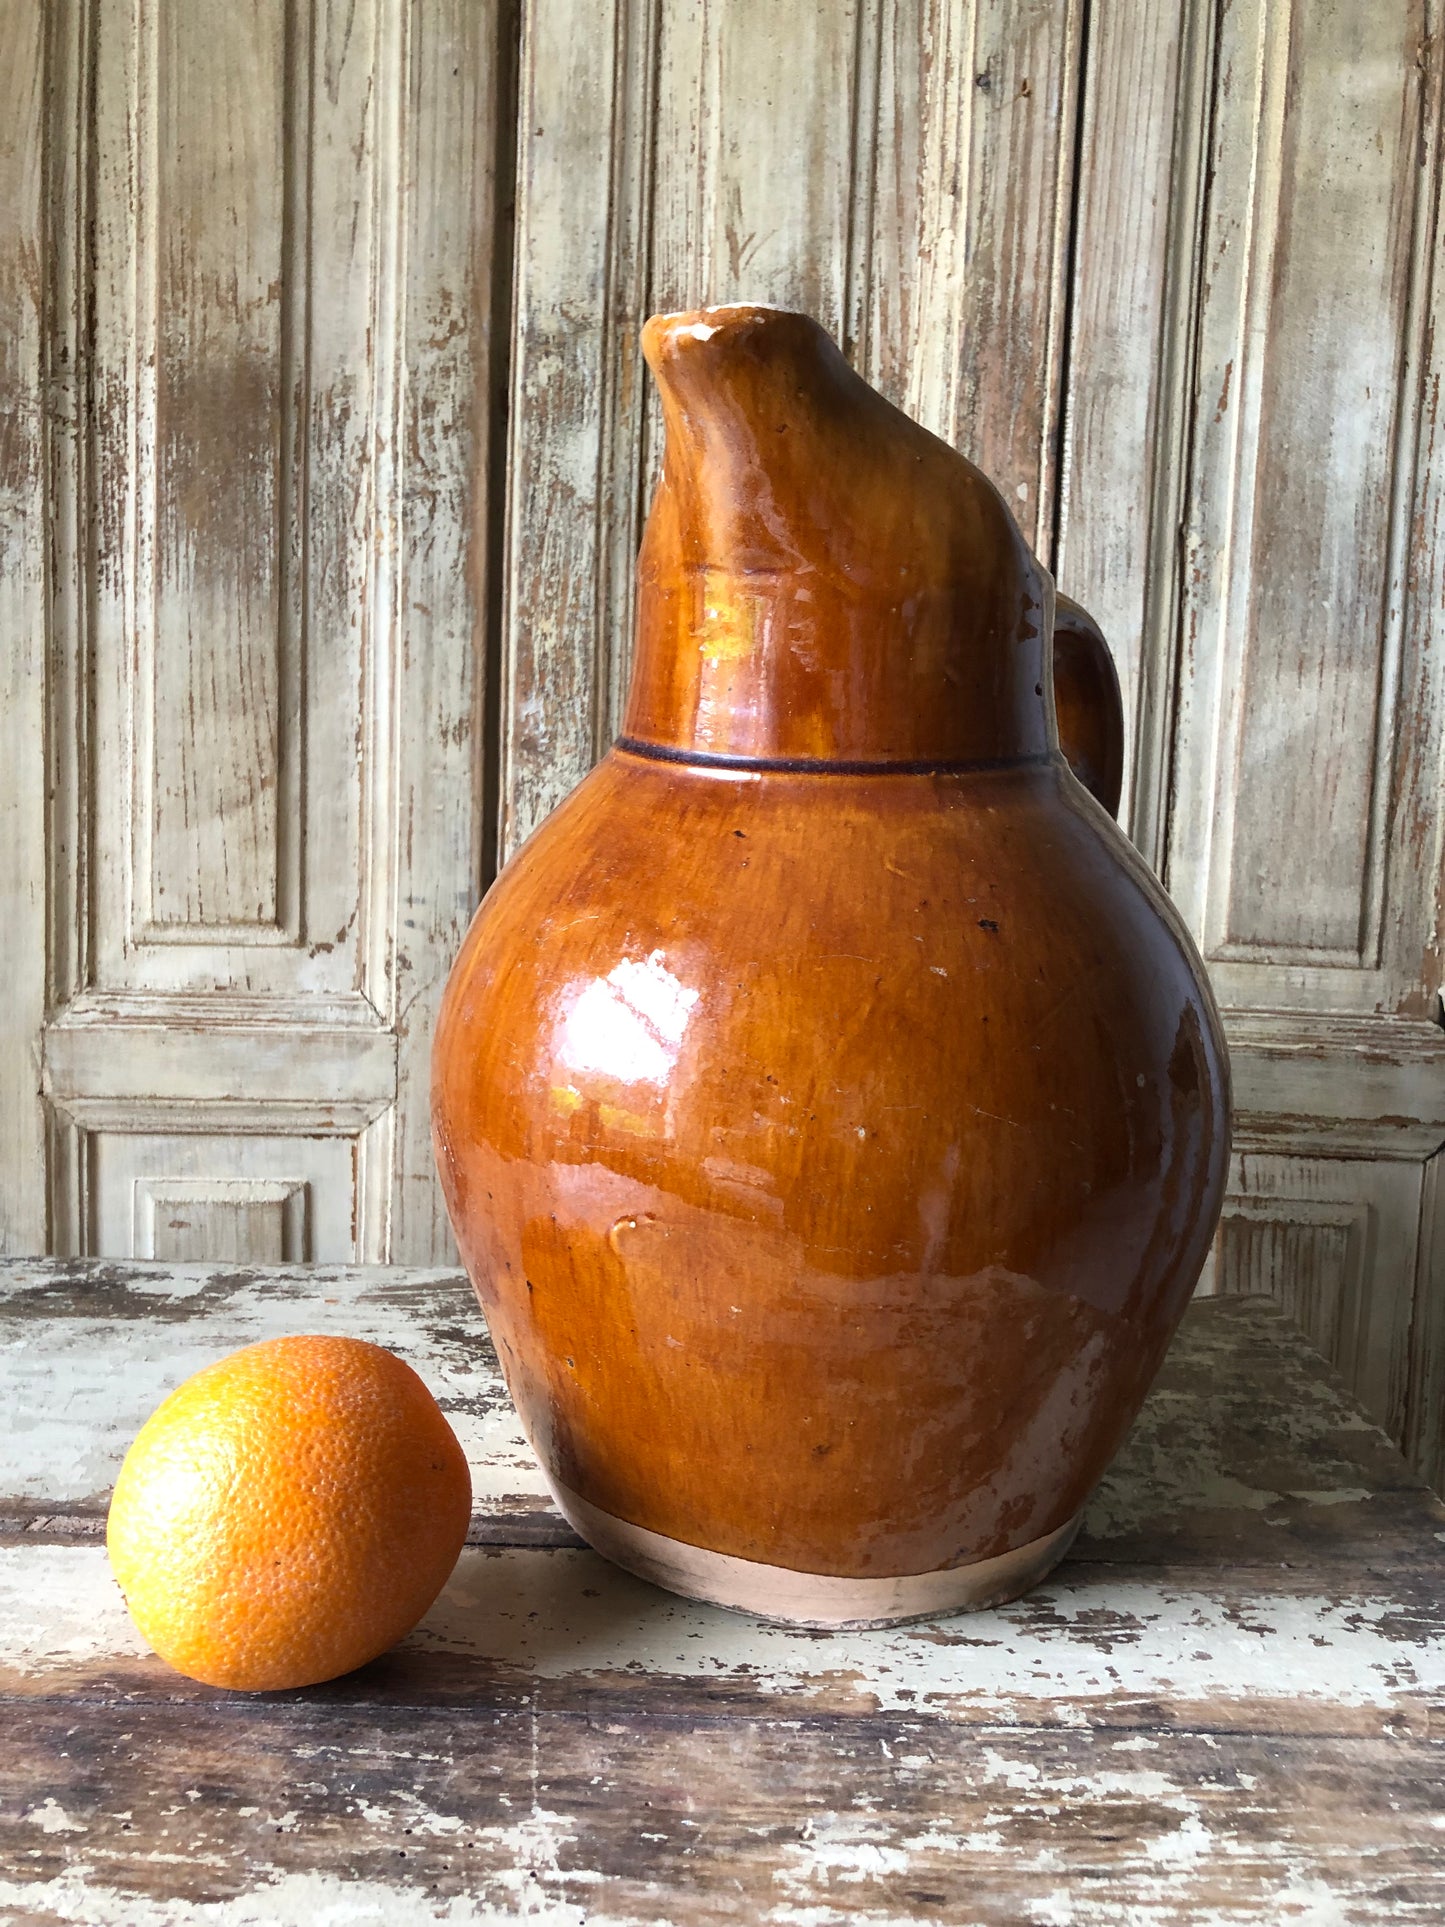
<point x="323" y="454"/>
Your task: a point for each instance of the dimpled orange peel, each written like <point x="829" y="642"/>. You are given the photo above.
<point x="288" y="1513"/>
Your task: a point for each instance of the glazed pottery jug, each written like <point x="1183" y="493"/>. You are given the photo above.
<point x="830" y="1105"/>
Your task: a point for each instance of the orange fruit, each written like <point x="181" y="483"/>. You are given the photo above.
<point x="288" y="1513"/>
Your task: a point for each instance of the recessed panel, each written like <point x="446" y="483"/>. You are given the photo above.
<point x="754" y="155"/>
<point x="205" y="1197"/>
<point x="1320" y="634"/>
<point x="214" y="219"/>
<point x="1308" y="1256"/>
<point x="258" y="1221"/>
<point x="236" y="499"/>
<point x="1333" y="1239"/>
<point x="1301" y="673"/>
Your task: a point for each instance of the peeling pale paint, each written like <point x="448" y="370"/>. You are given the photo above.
<point x="292" y="1900"/>
<point x="558" y="1614"/>
<point x="51" y="1817"/>
<point x="409" y="1816"/>
<point x="79" y="1387"/>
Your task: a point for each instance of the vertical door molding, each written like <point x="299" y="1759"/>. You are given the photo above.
<point x="966" y="293"/>
<point x="24" y="261"/>
<point x="456" y="159"/>
<point x="585" y="102"/>
<point x="1137" y="265"/>
<point x="1424" y="1438"/>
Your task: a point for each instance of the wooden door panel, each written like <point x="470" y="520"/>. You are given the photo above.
<point x="965" y="182"/>
<point x="1304" y="846"/>
<point x="245" y="213"/>
<point x="253" y="1199"/>
<point x="1310" y="886"/>
<point x="1252" y="500"/>
<point x="264" y="323"/>
<point x="234" y="648"/>
<point x="201" y="310"/>
<point x="1335" y="1240"/>
<point x="24" y="612"/>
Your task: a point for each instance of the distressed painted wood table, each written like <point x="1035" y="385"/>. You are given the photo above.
<point x="1225" y="1706"/>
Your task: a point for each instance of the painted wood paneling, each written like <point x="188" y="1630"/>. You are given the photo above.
<point x="904" y="174"/>
<point x="1142" y="151"/>
<point x="210" y="760"/>
<point x="1328" y="1238"/>
<point x="23" y="825"/>
<point x="268" y="253"/>
<point x="209" y="333"/>
<point x="240" y="454"/>
<point x="753" y="159"/>
<point x="1309" y="385"/>
<point x="1251" y="506"/>
<point x="962" y="270"/>
<point x="1255" y="370"/>
<point x="173" y="1196"/>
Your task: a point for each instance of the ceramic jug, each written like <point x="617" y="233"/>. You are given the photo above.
<point x="830" y="1105"/>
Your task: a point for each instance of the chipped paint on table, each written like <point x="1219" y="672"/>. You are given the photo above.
<point x="91" y="1349"/>
<point x="1222" y="1707"/>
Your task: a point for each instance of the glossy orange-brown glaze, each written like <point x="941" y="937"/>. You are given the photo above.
<point x="1087" y="703"/>
<point x="821" y="578"/>
<point x="829" y="1104"/>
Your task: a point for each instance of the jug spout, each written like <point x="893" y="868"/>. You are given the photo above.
<point x="821" y="580"/>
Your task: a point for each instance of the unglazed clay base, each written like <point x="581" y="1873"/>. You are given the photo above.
<point x="812" y="1598"/>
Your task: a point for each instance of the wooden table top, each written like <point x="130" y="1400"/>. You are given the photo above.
<point x="1220" y="1708"/>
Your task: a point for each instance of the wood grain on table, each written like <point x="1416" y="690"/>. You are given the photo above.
<point x="1223" y="1706"/>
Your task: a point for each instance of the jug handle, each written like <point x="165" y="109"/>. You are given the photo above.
<point x="1088" y="704"/>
